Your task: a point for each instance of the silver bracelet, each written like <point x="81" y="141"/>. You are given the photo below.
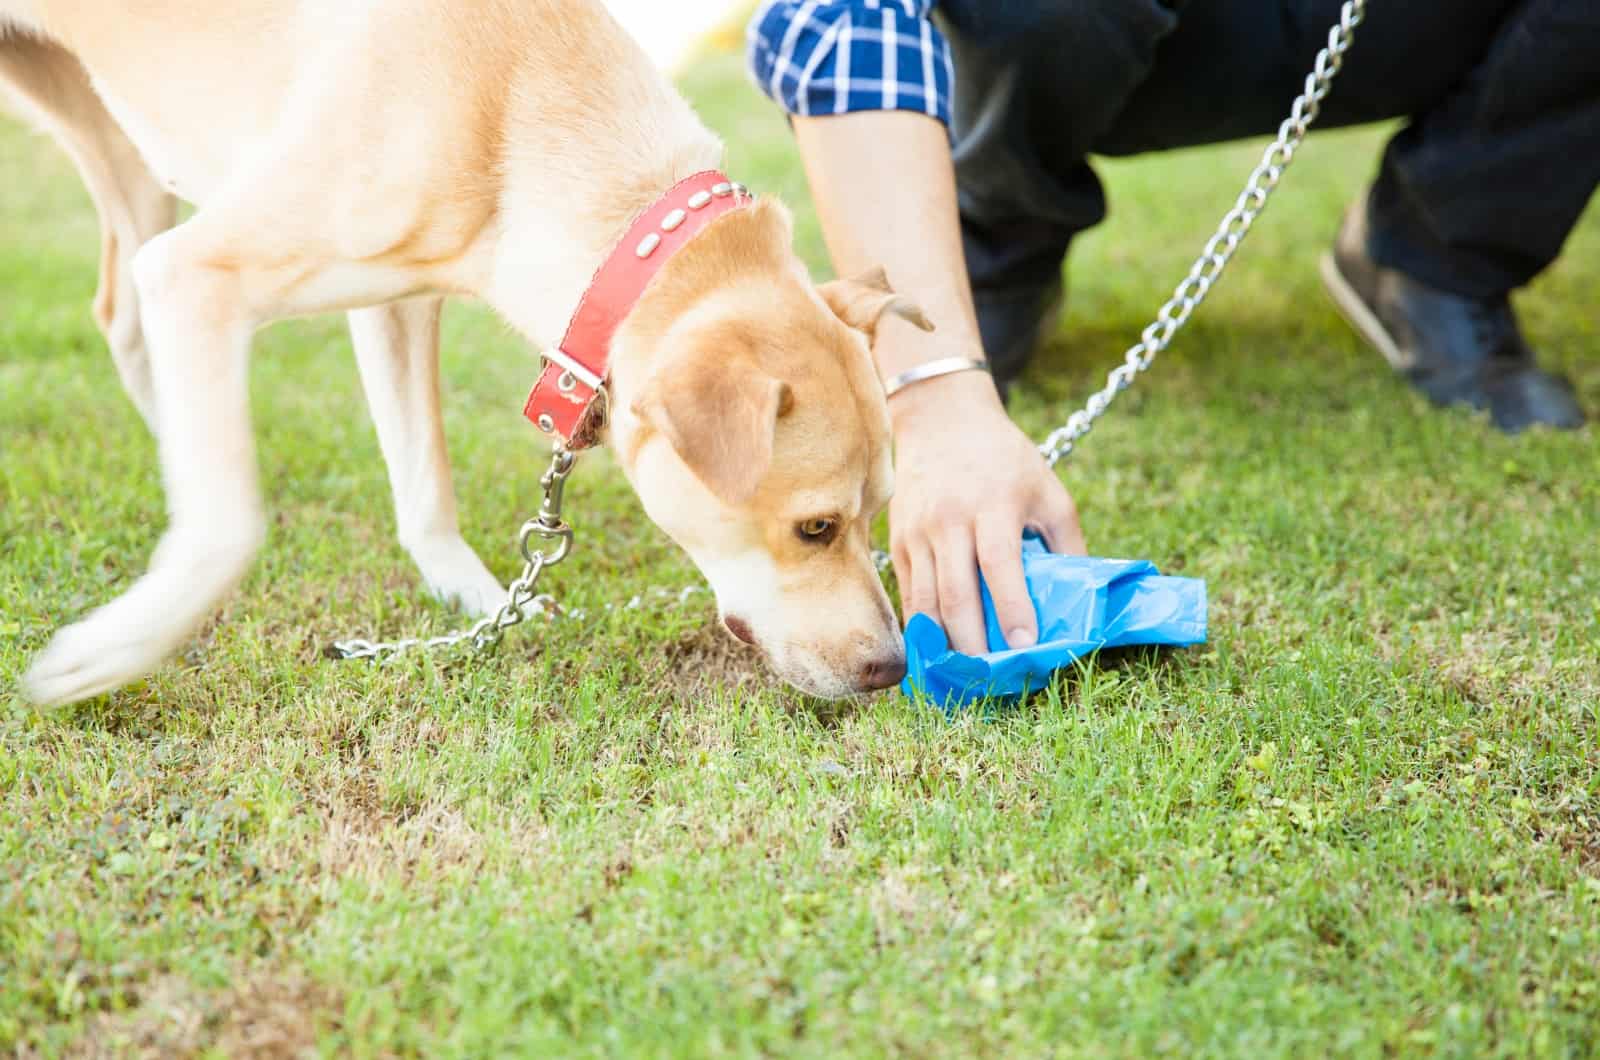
<point x="933" y="370"/>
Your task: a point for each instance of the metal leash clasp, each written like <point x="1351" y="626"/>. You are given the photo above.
<point x="548" y="525"/>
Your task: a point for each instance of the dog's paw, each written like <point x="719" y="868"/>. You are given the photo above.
<point x="91" y="657"/>
<point x="456" y="575"/>
<point x="136" y="632"/>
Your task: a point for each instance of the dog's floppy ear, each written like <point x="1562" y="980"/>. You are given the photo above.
<point x="863" y="300"/>
<point x="720" y="416"/>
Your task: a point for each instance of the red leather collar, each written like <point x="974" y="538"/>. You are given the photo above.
<point x="564" y="401"/>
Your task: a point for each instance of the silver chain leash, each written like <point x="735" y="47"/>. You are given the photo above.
<point x="522" y="597"/>
<point x="1219" y="250"/>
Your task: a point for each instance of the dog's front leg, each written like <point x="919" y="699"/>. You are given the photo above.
<point x="397" y="348"/>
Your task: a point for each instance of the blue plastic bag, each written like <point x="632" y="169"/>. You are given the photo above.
<point x="1082" y="604"/>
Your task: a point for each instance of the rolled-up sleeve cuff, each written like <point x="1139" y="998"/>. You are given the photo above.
<point x="816" y="57"/>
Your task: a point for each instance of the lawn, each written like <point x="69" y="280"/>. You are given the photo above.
<point x="1363" y="820"/>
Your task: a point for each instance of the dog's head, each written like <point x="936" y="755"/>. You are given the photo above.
<point x="751" y="421"/>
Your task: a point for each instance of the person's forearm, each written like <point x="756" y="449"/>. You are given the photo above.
<point x="885" y="192"/>
<point x="967" y="480"/>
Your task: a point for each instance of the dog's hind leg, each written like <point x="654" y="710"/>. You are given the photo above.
<point x="53" y="89"/>
<point x="397" y="348"/>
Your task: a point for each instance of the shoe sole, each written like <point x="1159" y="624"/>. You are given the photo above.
<point x="1360" y="316"/>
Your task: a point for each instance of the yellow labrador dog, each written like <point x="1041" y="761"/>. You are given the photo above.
<point x="375" y="156"/>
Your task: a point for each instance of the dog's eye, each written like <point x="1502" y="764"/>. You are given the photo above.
<point x="818" y="531"/>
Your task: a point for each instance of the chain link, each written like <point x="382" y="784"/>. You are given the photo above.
<point x="554" y="538"/>
<point x="522" y="598"/>
<point x="1220" y="248"/>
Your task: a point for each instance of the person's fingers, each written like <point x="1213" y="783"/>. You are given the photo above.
<point x="960" y="605"/>
<point x="1000" y="559"/>
<point x="901" y="559"/>
<point x="920" y="595"/>
<point x="1062" y="532"/>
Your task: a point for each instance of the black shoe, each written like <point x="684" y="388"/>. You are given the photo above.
<point x="1012" y="323"/>
<point x="1456" y="350"/>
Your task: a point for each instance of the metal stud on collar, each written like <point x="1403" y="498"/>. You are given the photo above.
<point x="674" y="220"/>
<point x="647" y="245"/>
<point x="700" y="200"/>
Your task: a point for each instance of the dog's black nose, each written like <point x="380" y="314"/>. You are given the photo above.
<point x="883" y="673"/>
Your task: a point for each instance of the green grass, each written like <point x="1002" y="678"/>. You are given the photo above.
<point x="1364" y="820"/>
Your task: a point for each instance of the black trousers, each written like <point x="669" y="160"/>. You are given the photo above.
<point x="1475" y="194"/>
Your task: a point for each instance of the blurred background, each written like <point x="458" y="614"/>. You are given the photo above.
<point x="670" y="30"/>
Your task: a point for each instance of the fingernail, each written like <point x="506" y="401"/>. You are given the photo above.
<point x="1021" y="638"/>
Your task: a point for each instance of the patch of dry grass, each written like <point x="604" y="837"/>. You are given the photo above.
<point x="261" y="1014"/>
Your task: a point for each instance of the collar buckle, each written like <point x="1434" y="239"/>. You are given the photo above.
<point x="568" y="400"/>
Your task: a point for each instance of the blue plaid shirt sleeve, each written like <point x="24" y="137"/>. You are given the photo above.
<point x="817" y="57"/>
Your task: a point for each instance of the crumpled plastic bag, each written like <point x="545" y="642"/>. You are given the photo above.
<point x="1082" y="604"/>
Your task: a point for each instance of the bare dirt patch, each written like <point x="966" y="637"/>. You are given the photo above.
<point x="264" y="1014"/>
<point x="907" y="902"/>
<point x="355" y="832"/>
<point x="707" y="660"/>
<point x="1585" y="850"/>
<point x="1488" y="665"/>
<point x="380" y="846"/>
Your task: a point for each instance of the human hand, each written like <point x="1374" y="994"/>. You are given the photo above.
<point x="968" y="481"/>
